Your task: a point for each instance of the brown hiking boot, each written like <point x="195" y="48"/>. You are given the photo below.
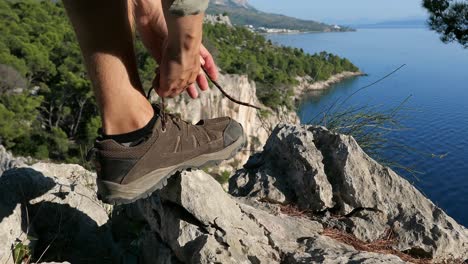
<point x="126" y="174"/>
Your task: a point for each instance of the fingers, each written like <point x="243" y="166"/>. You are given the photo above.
<point x="175" y="77"/>
<point x="209" y="65"/>
<point x="202" y="81"/>
<point x="172" y="88"/>
<point x="192" y="91"/>
<point x="206" y="60"/>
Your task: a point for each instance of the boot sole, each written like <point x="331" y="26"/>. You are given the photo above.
<point x="117" y="194"/>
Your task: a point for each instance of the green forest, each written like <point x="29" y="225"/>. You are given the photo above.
<point x="274" y="68"/>
<point x="47" y="109"/>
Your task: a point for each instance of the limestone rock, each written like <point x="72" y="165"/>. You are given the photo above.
<point x="201" y="223"/>
<point x="321" y="171"/>
<point x="218" y="19"/>
<point x="307" y="84"/>
<point x="53" y="209"/>
<point x="291" y="171"/>
<point x="321" y="249"/>
<point x="193" y="220"/>
<point x="154" y="250"/>
<point x="7" y="161"/>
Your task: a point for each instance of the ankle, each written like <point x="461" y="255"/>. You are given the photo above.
<point x="127" y="119"/>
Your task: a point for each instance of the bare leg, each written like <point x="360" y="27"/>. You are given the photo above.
<point x="104" y="32"/>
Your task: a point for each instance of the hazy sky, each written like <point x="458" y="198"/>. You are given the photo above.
<point x="344" y="11"/>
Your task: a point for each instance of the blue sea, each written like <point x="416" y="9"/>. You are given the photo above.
<point x="436" y="78"/>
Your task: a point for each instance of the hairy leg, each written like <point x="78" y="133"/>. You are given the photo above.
<point x="104" y="31"/>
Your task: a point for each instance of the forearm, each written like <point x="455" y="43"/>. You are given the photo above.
<point x="180" y="64"/>
<point x="184" y="32"/>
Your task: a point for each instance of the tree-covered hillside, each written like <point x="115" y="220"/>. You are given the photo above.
<point x="274" y="68"/>
<point x="53" y="112"/>
<point x="47" y="109"/>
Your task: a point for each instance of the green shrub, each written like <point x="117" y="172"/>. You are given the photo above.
<point x="223" y="177"/>
<point x="18" y="113"/>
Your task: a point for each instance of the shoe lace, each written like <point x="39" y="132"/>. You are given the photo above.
<point x="165" y="115"/>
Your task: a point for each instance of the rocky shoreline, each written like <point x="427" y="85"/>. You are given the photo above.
<point x="307" y="84"/>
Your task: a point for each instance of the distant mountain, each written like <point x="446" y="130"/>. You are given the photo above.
<point x="407" y="23"/>
<point x="242" y="13"/>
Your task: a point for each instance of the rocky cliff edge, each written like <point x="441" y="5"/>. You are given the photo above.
<point x="311" y="196"/>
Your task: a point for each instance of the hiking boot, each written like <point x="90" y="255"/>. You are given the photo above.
<point x="128" y="173"/>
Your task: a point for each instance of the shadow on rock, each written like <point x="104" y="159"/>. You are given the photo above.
<point x="19" y="186"/>
<point x="34" y="211"/>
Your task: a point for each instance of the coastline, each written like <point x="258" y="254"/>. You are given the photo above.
<point x="302" y="32"/>
<point x="306" y="84"/>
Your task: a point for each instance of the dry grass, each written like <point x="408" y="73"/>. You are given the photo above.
<point x="294" y="211"/>
<point x="384" y="245"/>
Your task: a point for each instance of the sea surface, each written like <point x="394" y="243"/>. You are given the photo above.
<point x="436" y="78"/>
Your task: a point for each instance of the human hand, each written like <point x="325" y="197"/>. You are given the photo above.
<point x="177" y="79"/>
<point x="152" y="27"/>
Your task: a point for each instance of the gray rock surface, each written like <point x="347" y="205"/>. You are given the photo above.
<point x="53" y="209"/>
<point x="193" y="220"/>
<point x="218" y="19"/>
<point x="290" y="170"/>
<point x="200" y="223"/>
<point x="7" y="161"/>
<point x="318" y="170"/>
<point x="322" y="249"/>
